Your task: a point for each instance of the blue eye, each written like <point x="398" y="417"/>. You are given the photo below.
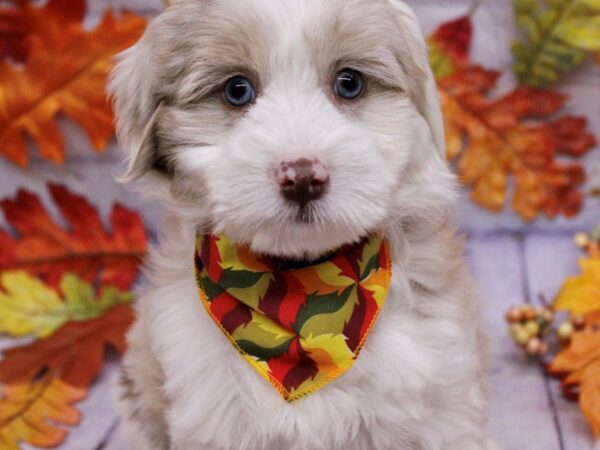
<point x="239" y="91"/>
<point x="349" y="84"/>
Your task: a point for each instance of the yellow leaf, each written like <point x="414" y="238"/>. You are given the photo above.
<point x="28" y="306"/>
<point x="581" y="294"/>
<point x="31" y="413"/>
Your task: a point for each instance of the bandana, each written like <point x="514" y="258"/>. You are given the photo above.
<point x="300" y="325"/>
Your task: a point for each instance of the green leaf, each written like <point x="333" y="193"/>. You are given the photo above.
<point x="29" y="307"/>
<point x="559" y="34"/>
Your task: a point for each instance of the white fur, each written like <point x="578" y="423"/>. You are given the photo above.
<point x="418" y="383"/>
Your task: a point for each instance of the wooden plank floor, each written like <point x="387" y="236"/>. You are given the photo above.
<point x="511" y="261"/>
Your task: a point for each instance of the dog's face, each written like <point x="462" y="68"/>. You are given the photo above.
<point x="295" y="126"/>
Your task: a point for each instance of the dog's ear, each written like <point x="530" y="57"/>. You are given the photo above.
<point x="423" y="86"/>
<point x="136" y="107"/>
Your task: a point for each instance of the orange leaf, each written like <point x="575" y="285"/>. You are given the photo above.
<point x="31" y="412"/>
<point x="14" y="31"/>
<point x="580" y="365"/>
<point x="491" y="140"/>
<point x="66" y="73"/>
<point x="47" y="250"/>
<point x="75" y="352"/>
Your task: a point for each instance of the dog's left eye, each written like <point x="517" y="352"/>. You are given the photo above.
<point x="239" y="91"/>
<point x="349" y="84"/>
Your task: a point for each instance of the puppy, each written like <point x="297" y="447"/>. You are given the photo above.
<point x="294" y="129"/>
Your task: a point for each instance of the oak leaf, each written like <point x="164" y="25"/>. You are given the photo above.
<point x="45" y="249"/>
<point x="66" y="72"/>
<point x="579" y="365"/>
<point x="14" y="33"/>
<point x="28" y="306"/>
<point x="558" y="36"/>
<point x="491" y="139"/>
<point x="31" y="413"/>
<point x="75" y="352"/>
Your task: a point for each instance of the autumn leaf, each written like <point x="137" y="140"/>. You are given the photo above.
<point x="27" y="306"/>
<point x="579" y="365"/>
<point x="31" y="413"/>
<point x="495" y="140"/>
<point x="491" y="140"/>
<point x="76" y="351"/>
<point x="581" y="294"/>
<point x="558" y="36"/>
<point x="47" y="250"/>
<point x="14" y="32"/>
<point x="449" y="47"/>
<point x="66" y="72"/>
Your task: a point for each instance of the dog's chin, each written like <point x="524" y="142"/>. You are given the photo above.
<point x="304" y="237"/>
<point x="309" y="245"/>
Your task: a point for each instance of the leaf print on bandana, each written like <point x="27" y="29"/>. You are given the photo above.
<point x="301" y="325"/>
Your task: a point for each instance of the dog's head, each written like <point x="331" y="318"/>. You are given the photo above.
<point x="294" y="126"/>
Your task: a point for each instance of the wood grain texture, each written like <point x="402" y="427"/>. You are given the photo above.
<point x="518" y="405"/>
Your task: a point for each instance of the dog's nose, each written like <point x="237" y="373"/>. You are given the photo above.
<point x="302" y="181"/>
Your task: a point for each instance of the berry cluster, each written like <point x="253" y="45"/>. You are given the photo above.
<point x="589" y="242"/>
<point x="529" y="327"/>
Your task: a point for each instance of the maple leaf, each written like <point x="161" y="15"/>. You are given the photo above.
<point x="449" y="47"/>
<point x="66" y="72"/>
<point x="75" y="352"/>
<point x="491" y="140"/>
<point x="45" y="249"/>
<point x="31" y="412"/>
<point x="27" y="306"/>
<point x="558" y="36"/>
<point x="14" y="42"/>
<point x="579" y="365"/>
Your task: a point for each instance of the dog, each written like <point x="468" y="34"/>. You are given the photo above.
<point x="295" y="128"/>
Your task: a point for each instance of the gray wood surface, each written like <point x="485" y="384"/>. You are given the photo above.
<point x="513" y="262"/>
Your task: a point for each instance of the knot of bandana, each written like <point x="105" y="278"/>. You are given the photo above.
<point x="300" y="325"/>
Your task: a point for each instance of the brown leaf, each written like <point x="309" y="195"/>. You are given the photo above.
<point x="65" y="73"/>
<point x="75" y="352"/>
<point x="494" y="139"/>
<point x="45" y="249"/>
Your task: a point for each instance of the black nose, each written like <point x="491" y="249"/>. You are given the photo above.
<point x="302" y="181"/>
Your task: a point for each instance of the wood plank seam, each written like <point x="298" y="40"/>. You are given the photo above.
<point x="520" y="238"/>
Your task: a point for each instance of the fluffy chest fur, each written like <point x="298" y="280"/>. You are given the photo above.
<point x="418" y="383"/>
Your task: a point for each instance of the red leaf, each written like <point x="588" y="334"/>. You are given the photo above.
<point x="75" y="352"/>
<point x="14" y="34"/>
<point x="45" y="249"/>
<point x="454" y="38"/>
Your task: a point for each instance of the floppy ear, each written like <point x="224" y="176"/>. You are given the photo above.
<point x="136" y="107"/>
<point x="424" y="89"/>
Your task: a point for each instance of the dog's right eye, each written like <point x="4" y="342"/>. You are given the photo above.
<point x="239" y="91"/>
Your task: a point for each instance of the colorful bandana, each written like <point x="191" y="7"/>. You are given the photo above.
<point x="300" y="325"/>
